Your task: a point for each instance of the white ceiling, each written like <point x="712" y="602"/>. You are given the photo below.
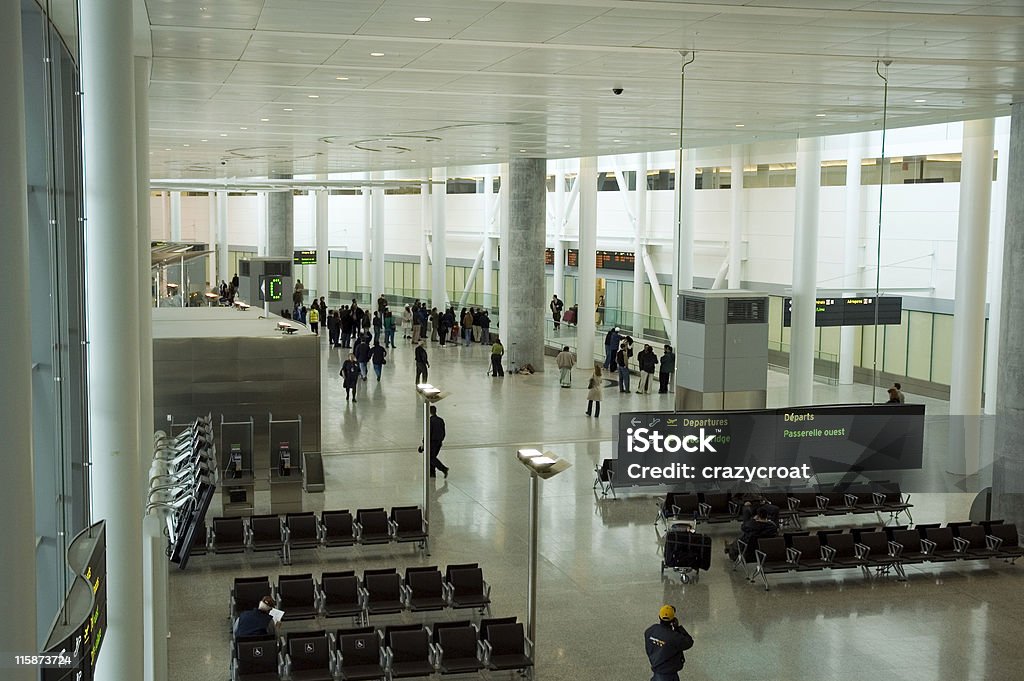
<point x="484" y="80"/>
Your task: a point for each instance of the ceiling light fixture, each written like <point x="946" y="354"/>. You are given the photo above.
<point x="673" y="134"/>
<point x="376" y="54"/>
<point x="313" y="96"/>
<point x="341" y="78"/>
<point x="289" y="109"/>
<point x="243" y="128"/>
<point x="920" y="101"/>
<point x="204" y="140"/>
<point x="185" y="145"/>
<point x="223" y="134"/>
<point x="739" y="125"/>
<point x="522" y="151"/>
<point x="167" y="149"/>
<point x="820" y="115"/>
<point x="264" y="119"/>
<point x="422" y="20"/>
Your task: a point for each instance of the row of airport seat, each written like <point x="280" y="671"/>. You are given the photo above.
<point x="393" y="652"/>
<point x="379" y="592"/>
<point x="725" y="506"/>
<point x="296" y="531"/>
<point x="882" y="549"/>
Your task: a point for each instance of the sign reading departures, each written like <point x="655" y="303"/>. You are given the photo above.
<point x="850" y="311"/>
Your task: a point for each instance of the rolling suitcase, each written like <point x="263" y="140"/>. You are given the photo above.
<point x="687" y="553"/>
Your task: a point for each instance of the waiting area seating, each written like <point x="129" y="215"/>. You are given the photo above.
<point x="284" y="534"/>
<point x="724" y="506"/>
<point x="364" y="653"/>
<point x="884" y="549"/>
<point x="604" y="476"/>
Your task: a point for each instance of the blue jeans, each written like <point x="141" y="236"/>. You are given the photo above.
<point x="467" y="334"/>
<point x="624" y="379"/>
<point x="609" y="357"/>
<point x="389" y="337"/>
<point x="376" y="370"/>
<point x="362" y="369"/>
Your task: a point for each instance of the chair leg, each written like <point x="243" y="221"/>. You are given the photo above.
<point x="764" y="578"/>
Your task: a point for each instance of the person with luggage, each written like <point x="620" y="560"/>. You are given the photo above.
<point x="497" y="350"/>
<point x="647" y="361"/>
<point x="594" y="392"/>
<point x="565" y="361"/>
<point x="350" y="376"/>
<point x="665" y="642"/>
<point x="668" y="365"/>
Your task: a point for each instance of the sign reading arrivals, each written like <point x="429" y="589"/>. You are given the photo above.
<point x="788" y="446"/>
<point x="850" y="311"/>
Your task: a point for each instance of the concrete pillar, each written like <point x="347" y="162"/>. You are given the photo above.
<point x="805" y="270"/>
<point x="425" y="215"/>
<point x="503" y="270"/>
<point x="439" y="257"/>
<point x="639" y="237"/>
<point x="559" y="230"/>
<point x="738" y="220"/>
<point x="211" y="239"/>
<point x="175" y="215"/>
<point x="261" y="223"/>
<point x="323" y="262"/>
<point x="165" y="206"/>
<point x="377" y="240"/>
<point x="995" y="272"/>
<point x="969" y="299"/>
<point x="525" y="259"/>
<point x="1008" y="473"/>
<point x="114" y="394"/>
<point x="281" y="221"/>
<point x="682" y="235"/>
<point x="18" y="570"/>
<point x="154" y="574"/>
<point x="365" y="270"/>
<point x="222" y="237"/>
<point x="586" y="284"/>
<point x="488" y="259"/>
<point x="851" y="249"/>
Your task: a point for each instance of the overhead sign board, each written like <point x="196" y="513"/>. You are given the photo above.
<point x="850" y="311"/>
<point x="271" y="287"/>
<point x="307" y="257"/>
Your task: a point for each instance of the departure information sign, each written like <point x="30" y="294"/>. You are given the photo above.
<point x="304" y="257"/>
<point x="615" y="260"/>
<point x="572" y="257"/>
<point x="549" y="256"/>
<point x="850" y="311"/>
<point x="787" y="446"/>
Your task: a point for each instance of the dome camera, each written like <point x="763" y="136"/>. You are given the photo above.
<point x="617" y="91"/>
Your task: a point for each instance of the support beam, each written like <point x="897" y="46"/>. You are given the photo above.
<point x="365" y="270"/>
<point x="323" y="259"/>
<point x="488" y="241"/>
<point x="995" y="274"/>
<point x="586" y="284"/>
<point x="504" y="284"/>
<point x="851" y="248"/>
<point x="439" y="257"/>
<point x="738" y="214"/>
<point x="222" y="243"/>
<point x="114" y="395"/>
<point x="527" y="308"/>
<point x="281" y="221"/>
<point x="805" y="270"/>
<point x="211" y="239"/>
<point x="470" y="279"/>
<point x="175" y="215"/>
<point x="559" y="232"/>
<point x="425" y="219"/>
<point x="377" y="243"/>
<point x="18" y="569"/>
<point x="639" y="247"/>
<point x="261" y="224"/>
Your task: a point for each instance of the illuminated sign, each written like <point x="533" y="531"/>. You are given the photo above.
<point x="304" y="257"/>
<point x="851" y="311"/>
<point x="616" y="260"/>
<point x="271" y="287"/>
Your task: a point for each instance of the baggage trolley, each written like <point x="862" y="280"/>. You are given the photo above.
<point x="686" y="552"/>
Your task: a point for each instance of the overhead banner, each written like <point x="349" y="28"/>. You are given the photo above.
<point x="783" y="447"/>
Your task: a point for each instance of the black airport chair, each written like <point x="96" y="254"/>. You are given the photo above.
<point x="308" y="657"/>
<point x="507" y="648"/>
<point x="301" y="531"/>
<point x="228" y="535"/>
<point x="336" y="528"/>
<point x="457" y="650"/>
<point x="372" y="526"/>
<point x="407" y="525"/>
<point x="407" y="654"/>
<point x="972" y="543"/>
<point x="246" y="593"/>
<point x="296" y="595"/>
<point x="382" y="592"/>
<point x="359" y="657"/>
<point x="340" y="597"/>
<point x="255" y="661"/>
<point x="467" y="589"/>
<point x="423" y="589"/>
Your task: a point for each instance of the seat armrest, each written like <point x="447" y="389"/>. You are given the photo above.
<point x="828" y="553"/>
<point x="284" y="664"/>
<point x="821" y="501"/>
<point x="734" y="507"/>
<point x="404" y="594"/>
<point x="357" y="529"/>
<point x="675" y="511"/>
<point x="447" y="592"/>
<point x="878" y="498"/>
<point x="793" y="503"/>
<point x="528" y="647"/>
<point x="895" y="549"/>
<point x="436" y="653"/>
<point x="389" y="656"/>
<point x="862" y="551"/>
<point x="851" y="499"/>
<point x="927" y="547"/>
<point x="392" y="528"/>
<point x="286" y="534"/>
<point x="487" y="589"/>
<point x="704" y="509"/>
<point x="793" y="555"/>
<point x="960" y="545"/>
<point x="741" y="547"/>
<point x="485" y="648"/>
<point x="760" y="555"/>
<point x="364" y="595"/>
<point x="994" y="543"/>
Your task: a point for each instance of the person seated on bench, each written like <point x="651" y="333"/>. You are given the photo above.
<point x="257" y="622"/>
<point x="749" y="510"/>
<point x="753" y="529"/>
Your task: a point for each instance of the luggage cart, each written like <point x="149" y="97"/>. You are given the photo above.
<point x="687" y="552"/>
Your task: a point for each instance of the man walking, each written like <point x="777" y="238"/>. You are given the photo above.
<point x="565" y="361"/>
<point x="422" y="364"/>
<point x="436" y="440"/>
<point x="556" y="306"/>
<point x="665" y="642"/>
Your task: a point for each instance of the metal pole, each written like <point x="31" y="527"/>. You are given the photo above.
<point x="882" y="173"/>
<point x="531" y="578"/>
<point x="739" y="216"/>
<point x="426" y="462"/>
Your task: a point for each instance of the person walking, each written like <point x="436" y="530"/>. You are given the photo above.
<point x="378" y="357"/>
<point x="594" y="392"/>
<point x="647" y="361"/>
<point x="416" y="327"/>
<point x="314" y="319"/>
<point x="442" y="328"/>
<point x="362" y="353"/>
<point x="407" y="323"/>
<point x="389" y="329"/>
<point x="485" y="328"/>
<point x="350" y="376"/>
<point x="622" y="362"/>
<point x="565" y="361"/>
<point x="665" y="642"/>
<point x="378" y="326"/>
<point x="467" y="327"/>
<point x="668" y="365"/>
<point x="333" y="328"/>
<point x="436" y="440"/>
<point x="422" y="363"/>
<point x="346" y="324"/>
<point x="556" y="306"/>
<point x="611" y="344"/>
<point x="497" y="350"/>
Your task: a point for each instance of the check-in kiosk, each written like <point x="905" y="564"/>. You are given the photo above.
<point x="238" y="475"/>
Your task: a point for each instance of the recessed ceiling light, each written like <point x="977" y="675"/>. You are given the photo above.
<point x="674" y="134"/>
<point x="167" y="149"/>
<point x="264" y="119"/>
<point x="422" y="20"/>
<point x="820" y="115"/>
<point x="739" y="125"/>
<point x="185" y="145"/>
<point x="522" y="151"/>
<point x="313" y="96"/>
<point x="203" y="9"/>
<point x="616" y="140"/>
<point x="480" y="154"/>
<point x="566" y="146"/>
<point x="376" y="54"/>
<point x="341" y="78"/>
<point x="920" y="101"/>
<point x="243" y="128"/>
<point x="223" y="134"/>
<point x="204" y="140"/>
<point x="289" y="109"/>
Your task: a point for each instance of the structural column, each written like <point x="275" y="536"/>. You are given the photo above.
<point x="995" y="274"/>
<point x="222" y="237"/>
<point x="969" y="300"/>
<point x="281" y="221"/>
<point x="424" y="246"/>
<point x="739" y="217"/>
<point x="639" y="246"/>
<point x="488" y="257"/>
<point x="559" y="227"/>
<point x="114" y="393"/>
<point x="323" y="254"/>
<point x="805" y="270"/>
<point x="261" y="224"/>
<point x="175" y="214"/>
<point x="682" y="235"/>
<point x="503" y="269"/>
<point x="439" y="257"/>
<point x="18" y="570"/>
<point x="365" y="272"/>
<point x="586" y="283"/>
<point x="851" y="249"/>
<point x="211" y="238"/>
<point x="525" y="259"/>
<point x="377" y="241"/>
<point x="1008" y="474"/>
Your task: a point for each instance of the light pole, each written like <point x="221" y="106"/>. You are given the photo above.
<point x="430" y="395"/>
<point x="541" y="465"/>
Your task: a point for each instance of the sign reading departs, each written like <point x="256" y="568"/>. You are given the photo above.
<point x="720" y="449"/>
<point x="271" y="287"/>
<point x="304" y="257"/>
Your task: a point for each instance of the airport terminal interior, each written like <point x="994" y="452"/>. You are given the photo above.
<point x="812" y="201"/>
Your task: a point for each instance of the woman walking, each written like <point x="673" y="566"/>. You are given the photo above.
<point x="350" y="376"/>
<point x="595" y="392"/>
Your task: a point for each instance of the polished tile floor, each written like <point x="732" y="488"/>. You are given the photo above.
<point x="599" y="570"/>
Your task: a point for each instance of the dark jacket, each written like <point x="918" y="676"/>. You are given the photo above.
<point x="377" y="354"/>
<point x="350" y="373"/>
<point x="362" y="352"/>
<point x="254" y="622"/>
<point x="647" y="360"/>
<point x="754" y="529"/>
<point x="665" y="645"/>
<point x="611" y="339"/>
<point x="436" y="431"/>
<point x="421" y="355"/>
<point x="668" y="363"/>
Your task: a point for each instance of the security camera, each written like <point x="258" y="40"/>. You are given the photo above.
<point x="616" y="91"/>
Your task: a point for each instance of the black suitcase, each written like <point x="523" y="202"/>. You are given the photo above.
<point x="687" y="550"/>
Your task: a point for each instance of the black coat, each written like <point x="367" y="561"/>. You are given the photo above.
<point x="647" y="360"/>
<point x="349" y="373"/>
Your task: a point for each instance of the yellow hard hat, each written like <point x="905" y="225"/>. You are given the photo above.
<point x="667" y="612"/>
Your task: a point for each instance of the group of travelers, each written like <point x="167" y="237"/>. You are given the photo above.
<point x="367" y="352"/>
<point x="471" y="325"/>
<point x="618" y="348"/>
